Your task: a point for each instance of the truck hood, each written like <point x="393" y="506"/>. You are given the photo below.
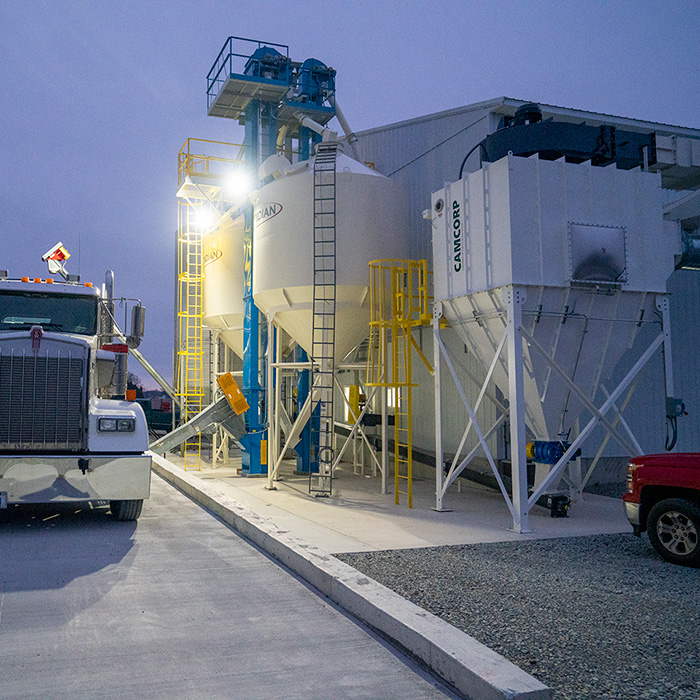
<point x="686" y="460"/>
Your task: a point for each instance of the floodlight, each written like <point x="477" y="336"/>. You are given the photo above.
<point x="237" y="185"/>
<point x="204" y="217"/>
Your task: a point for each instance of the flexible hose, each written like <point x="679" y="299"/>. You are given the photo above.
<point x="464" y="162"/>
<point x="671" y="421"/>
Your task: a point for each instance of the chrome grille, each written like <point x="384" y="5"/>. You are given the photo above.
<point x="42" y="398"/>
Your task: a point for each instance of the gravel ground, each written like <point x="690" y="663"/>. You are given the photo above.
<point x="595" y="618"/>
<point x="614" y="489"/>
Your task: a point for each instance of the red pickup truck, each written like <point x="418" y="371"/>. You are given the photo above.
<point x="663" y="499"/>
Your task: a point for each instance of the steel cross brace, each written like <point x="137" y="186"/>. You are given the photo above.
<point x="293" y="437"/>
<point x="489" y="374"/>
<point x="619" y="419"/>
<point x="455" y="472"/>
<point x="356" y="427"/>
<point x="614" y="396"/>
<point x="606" y="439"/>
<point x="598" y="415"/>
<point x="472" y="417"/>
<point x="456" y="469"/>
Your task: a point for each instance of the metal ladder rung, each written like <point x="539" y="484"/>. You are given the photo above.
<point x="323" y="310"/>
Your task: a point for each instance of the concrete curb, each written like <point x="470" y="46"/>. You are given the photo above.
<point x="472" y="668"/>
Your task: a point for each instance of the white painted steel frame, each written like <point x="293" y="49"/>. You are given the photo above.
<point x="440" y="352"/>
<point x="515" y="335"/>
<point x="516" y="389"/>
<point x="357" y="428"/>
<point x="629" y="447"/>
<point x="274" y="374"/>
<point x="592" y="423"/>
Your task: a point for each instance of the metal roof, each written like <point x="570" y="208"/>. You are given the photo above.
<point x="508" y="105"/>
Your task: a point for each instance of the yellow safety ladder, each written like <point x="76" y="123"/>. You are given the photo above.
<point x="190" y="350"/>
<point x="399" y="302"/>
<point x="200" y="181"/>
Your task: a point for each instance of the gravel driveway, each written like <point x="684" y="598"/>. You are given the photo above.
<point x="595" y="618"/>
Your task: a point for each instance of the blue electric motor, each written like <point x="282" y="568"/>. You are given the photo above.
<point x="546" y="451"/>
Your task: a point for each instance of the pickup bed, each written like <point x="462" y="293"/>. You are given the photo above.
<point x="663" y="499"/>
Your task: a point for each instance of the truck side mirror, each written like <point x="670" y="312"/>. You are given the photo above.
<point x="138" y="323"/>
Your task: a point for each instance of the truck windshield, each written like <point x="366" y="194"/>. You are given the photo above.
<point x="66" y="313"/>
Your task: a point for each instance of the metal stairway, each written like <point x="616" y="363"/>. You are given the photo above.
<point x="399" y="302"/>
<point x="323" y="328"/>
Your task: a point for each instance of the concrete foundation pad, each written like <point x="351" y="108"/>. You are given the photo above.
<point x="472" y="668"/>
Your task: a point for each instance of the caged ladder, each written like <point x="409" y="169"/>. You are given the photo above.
<point x="323" y="328"/>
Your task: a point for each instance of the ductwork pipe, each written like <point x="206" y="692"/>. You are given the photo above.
<point x="326" y="133"/>
<point x="349" y="133"/>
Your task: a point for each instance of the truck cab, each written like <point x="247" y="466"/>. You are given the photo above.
<point x="663" y="499"/>
<point x="63" y="437"/>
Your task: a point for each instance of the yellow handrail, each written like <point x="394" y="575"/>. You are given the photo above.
<point x="399" y="302"/>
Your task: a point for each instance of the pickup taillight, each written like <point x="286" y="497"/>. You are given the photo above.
<point x="630" y="476"/>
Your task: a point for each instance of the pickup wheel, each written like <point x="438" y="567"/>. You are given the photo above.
<point x="126" y="510"/>
<point x="673" y="526"/>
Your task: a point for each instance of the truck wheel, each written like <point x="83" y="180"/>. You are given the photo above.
<point x="126" y="510"/>
<point x="673" y="526"/>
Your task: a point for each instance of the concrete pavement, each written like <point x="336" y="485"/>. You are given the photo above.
<point x="176" y="606"/>
<point x="477" y="671"/>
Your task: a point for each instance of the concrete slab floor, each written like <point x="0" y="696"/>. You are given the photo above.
<point x="358" y="518"/>
<point x="174" y="606"/>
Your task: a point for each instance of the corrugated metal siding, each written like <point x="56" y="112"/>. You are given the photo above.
<point x="684" y="286"/>
<point x="424" y="154"/>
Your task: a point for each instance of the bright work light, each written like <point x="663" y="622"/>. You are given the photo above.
<point x="237" y="185"/>
<point x="204" y="217"/>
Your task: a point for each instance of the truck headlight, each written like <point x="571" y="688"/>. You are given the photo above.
<point x="116" y="425"/>
<point x="107" y="425"/>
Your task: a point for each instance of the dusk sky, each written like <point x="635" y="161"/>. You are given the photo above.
<point x="97" y="99"/>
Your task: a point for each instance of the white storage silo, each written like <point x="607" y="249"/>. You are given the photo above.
<point x="370" y="224"/>
<point x="223" y="283"/>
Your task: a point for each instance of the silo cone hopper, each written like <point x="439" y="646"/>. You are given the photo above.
<point x="553" y="269"/>
<point x="584" y="333"/>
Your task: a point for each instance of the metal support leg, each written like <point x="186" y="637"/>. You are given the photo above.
<point x="514" y="300"/>
<point x="272" y="411"/>
<point x="663" y="306"/>
<point x="439" y="468"/>
<point x="385" y="438"/>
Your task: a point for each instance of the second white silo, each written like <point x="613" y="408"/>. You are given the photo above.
<point x="370" y="224"/>
<point x="223" y="283"/>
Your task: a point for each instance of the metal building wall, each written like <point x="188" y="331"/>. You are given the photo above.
<point x="425" y="153"/>
<point x="684" y="286"/>
<point x="422" y="154"/>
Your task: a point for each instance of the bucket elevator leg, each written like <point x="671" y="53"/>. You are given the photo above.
<point x="254" y="457"/>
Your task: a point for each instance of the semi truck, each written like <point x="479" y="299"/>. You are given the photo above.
<point x="66" y="432"/>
